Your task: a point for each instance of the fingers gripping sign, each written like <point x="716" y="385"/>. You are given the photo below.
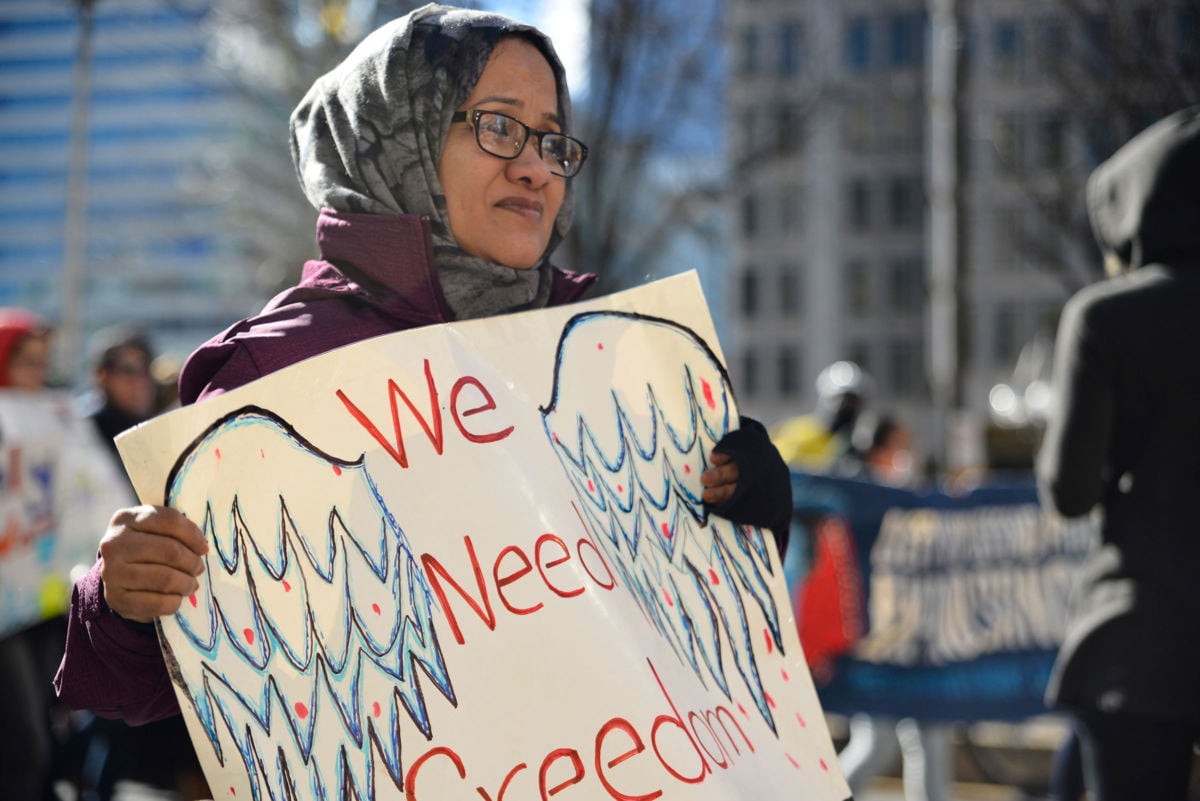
<point x="152" y="556"/>
<point x="720" y="480"/>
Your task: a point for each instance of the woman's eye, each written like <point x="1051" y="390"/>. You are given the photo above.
<point x="498" y="126"/>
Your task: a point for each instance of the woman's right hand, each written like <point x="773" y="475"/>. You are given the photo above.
<point x="152" y="556"/>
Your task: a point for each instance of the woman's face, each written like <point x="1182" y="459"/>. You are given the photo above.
<point x="28" y="363"/>
<point x="504" y="210"/>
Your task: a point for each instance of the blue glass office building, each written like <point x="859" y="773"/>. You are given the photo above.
<point x="152" y="244"/>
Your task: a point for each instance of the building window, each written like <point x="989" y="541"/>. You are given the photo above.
<point x="789" y="371"/>
<point x="791" y="54"/>
<point x="1050" y="54"/>
<point x="858" y="125"/>
<point x="1009" y="233"/>
<point x="904" y="124"/>
<point x="751" y="51"/>
<point x="1006" y="339"/>
<point x="906" y="285"/>
<point x="791" y="208"/>
<point x="906" y="39"/>
<point x="1006" y="47"/>
<point x="1052" y="145"/>
<point x="749" y="292"/>
<point x="752" y="131"/>
<point x="858" y="44"/>
<point x="904" y="367"/>
<point x="905" y="204"/>
<point x="858" y="202"/>
<point x="1188" y="30"/>
<point x="750" y="373"/>
<point x="789" y="131"/>
<point x="860" y="353"/>
<point x="1009" y="142"/>
<point x="750" y="216"/>
<point x="858" y="288"/>
<point x="791" y="294"/>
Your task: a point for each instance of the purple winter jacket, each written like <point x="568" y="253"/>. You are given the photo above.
<point x="375" y="276"/>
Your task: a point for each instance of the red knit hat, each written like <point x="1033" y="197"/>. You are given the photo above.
<point x="15" y="325"/>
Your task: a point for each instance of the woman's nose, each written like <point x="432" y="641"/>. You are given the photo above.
<point x="528" y="167"/>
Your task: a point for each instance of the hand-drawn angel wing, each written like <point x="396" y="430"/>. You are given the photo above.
<point x="634" y="456"/>
<point x="313" y="616"/>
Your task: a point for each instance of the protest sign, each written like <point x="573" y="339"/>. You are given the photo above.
<point x="58" y="487"/>
<point x="471" y="560"/>
<point x="961" y="599"/>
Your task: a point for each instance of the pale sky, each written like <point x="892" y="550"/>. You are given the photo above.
<point x="565" y="22"/>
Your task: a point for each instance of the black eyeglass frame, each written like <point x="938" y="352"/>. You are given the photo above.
<point x="472" y="117"/>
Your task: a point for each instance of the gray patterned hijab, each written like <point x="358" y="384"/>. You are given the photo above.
<point x="368" y="136"/>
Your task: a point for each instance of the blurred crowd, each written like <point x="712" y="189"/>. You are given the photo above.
<point x="48" y="751"/>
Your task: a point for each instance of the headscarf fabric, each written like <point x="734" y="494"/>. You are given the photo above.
<point x="368" y="136"/>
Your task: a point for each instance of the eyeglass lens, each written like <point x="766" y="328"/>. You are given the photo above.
<point x="505" y="136"/>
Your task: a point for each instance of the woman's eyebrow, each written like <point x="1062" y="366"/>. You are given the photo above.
<point x="516" y="104"/>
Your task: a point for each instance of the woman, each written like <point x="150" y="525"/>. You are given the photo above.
<point x="438" y="157"/>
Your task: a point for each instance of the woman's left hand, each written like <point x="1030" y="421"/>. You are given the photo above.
<point x="720" y="480"/>
<point x="749" y="483"/>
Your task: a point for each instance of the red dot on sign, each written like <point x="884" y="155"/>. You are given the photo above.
<point x="666" y="531"/>
<point x="232" y="791"/>
<point x="375" y="708"/>
<point x="262" y="454"/>
<point x="708" y="394"/>
<point x="786" y="677"/>
<point x="792" y="759"/>
<point x="770" y="642"/>
<point x="824" y="767"/>
<point x="687" y="468"/>
<point x="620" y="488"/>
<point x="375" y="608"/>
<point x="712" y="574"/>
<point x="218" y="452"/>
<point x="770" y="701"/>
<point x="286" y="587"/>
<point x="800" y="718"/>
<point x="337" y="471"/>
<point x="667" y="595"/>
<point x="742" y="709"/>
<point x="591" y="486"/>
<point x="599" y="346"/>
<point x="249" y="635"/>
<point x="301" y="710"/>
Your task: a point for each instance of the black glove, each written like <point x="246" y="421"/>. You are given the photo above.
<point x="763" y="496"/>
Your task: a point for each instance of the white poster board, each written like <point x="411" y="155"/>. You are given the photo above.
<point x="470" y="561"/>
<point x="59" y="484"/>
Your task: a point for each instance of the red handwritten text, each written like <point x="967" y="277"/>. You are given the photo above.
<point x="430" y="422"/>
<point x="511" y="566"/>
<point x="714" y="736"/>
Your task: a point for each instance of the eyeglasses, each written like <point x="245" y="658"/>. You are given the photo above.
<point x="504" y="137"/>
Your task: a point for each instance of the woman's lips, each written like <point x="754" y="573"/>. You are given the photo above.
<point x="523" y="206"/>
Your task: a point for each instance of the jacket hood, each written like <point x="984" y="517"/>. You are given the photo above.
<point x="1144" y="201"/>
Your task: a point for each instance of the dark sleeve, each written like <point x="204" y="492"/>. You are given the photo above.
<point x="763" y="495"/>
<point x="111" y="667"/>
<point x="1073" y="461"/>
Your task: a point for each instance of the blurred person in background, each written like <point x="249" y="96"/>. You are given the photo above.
<point x="27" y="657"/>
<point x="884" y="453"/>
<point x="1124" y="438"/>
<point x="438" y="202"/>
<point x="125" y="393"/>
<point x="814" y="442"/>
<point x="104" y="753"/>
